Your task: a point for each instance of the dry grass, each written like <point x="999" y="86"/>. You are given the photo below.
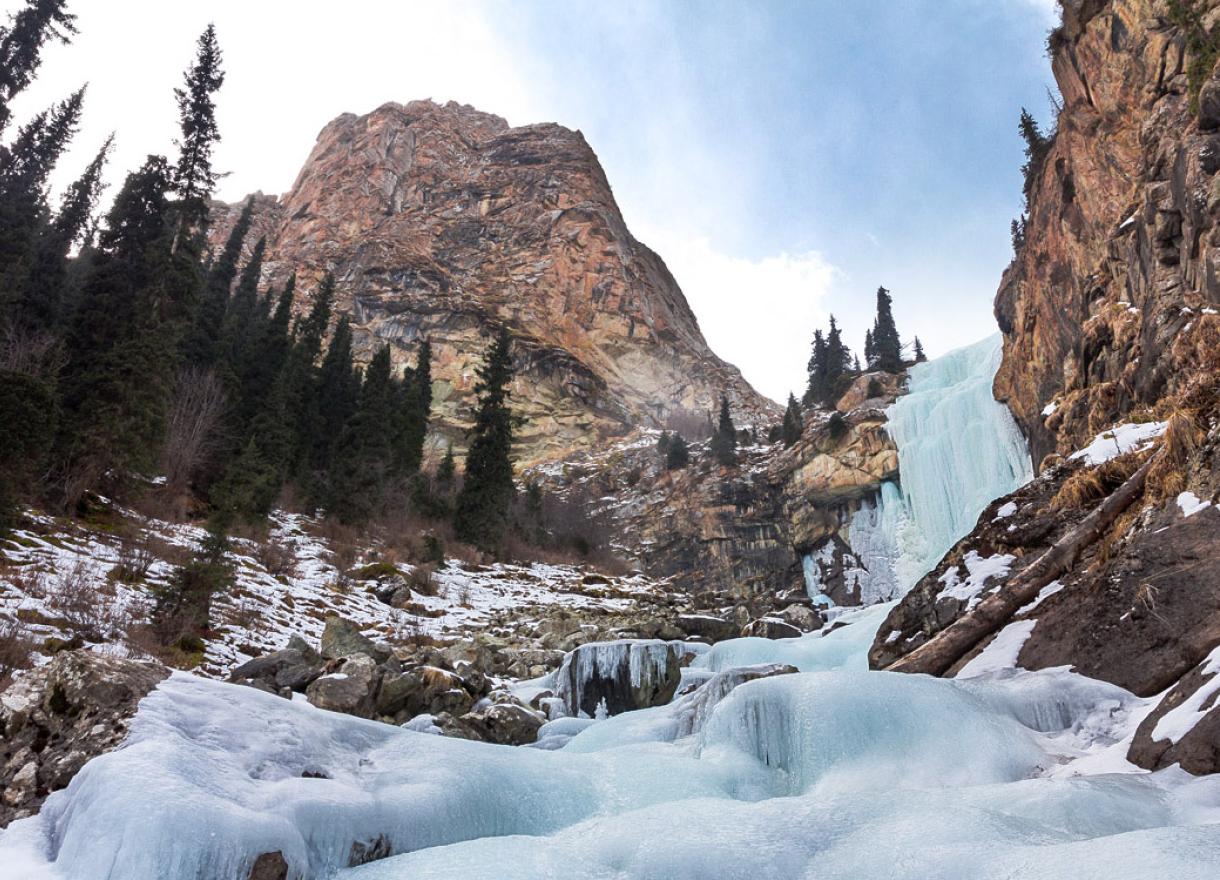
<point x="1091" y="484"/>
<point x="279" y="558"/>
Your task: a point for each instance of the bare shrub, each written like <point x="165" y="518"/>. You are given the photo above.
<point x="136" y="557"/>
<point x="31" y="353"/>
<point x="192" y="429"/>
<point x="85" y="602"/>
<point x="279" y="558"/>
<point x="16" y="650"/>
<point x="422" y="580"/>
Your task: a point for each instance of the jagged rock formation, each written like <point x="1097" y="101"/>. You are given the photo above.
<point x="1111" y="301"/>
<point x="443" y="222"/>
<point x="736" y="535"/>
<point x="56" y="718"/>
<point x="1109" y="315"/>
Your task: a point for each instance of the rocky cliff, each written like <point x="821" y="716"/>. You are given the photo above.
<point x="1112" y="349"/>
<point x="1110" y="304"/>
<point x="443" y="222"/>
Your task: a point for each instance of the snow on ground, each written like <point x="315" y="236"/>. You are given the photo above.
<point x="57" y="580"/>
<point x="1190" y="504"/>
<point x="837" y="772"/>
<point x="1119" y="440"/>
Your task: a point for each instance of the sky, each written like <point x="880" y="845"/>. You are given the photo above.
<point x="784" y="158"/>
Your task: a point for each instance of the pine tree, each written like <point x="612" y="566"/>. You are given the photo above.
<point x="21" y="42"/>
<point x="487" y="490"/>
<point x="414" y="402"/>
<point x="663" y="442"/>
<point x="838" y="362"/>
<point x="203" y="344"/>
<point x="724" y="441"/>
<point x="677" y="454"/>
<point x="920" y="357"/>
<point x="333" y="404"/>
<point x="1037" y="145"/>
<point x="870" y="353"/>
<point x="793" y="422"/>
<point x="44" y="300"/>
<point x="365" y="453"/>
<point x="120" y="365"/>
<point x="182" y="608"/>
<point x="816" y="390"/>
<point x="194" y="178"/>
<point x="886" y="344"/>
<point x="446" y="471"/>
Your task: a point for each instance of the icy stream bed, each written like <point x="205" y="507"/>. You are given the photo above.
<point x="836" y="772"/>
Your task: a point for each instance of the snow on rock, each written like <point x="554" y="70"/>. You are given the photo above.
<point x="1190" y="504"/>
<point x="979" y="571"/>
<point x="1181" y="719"/>
<point x="1119" y="440"/>
<point x="1045" y="593"/>
<point x="1006" y="510"/>
<point x="1001" y="652"/>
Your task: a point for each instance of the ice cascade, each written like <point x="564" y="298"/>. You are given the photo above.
<point x="958" y="450"/>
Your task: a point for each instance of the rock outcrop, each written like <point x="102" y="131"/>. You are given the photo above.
<point x="57" y="717"/>
<point x="1111" y="301"/>
<point x="1109" y="313"/>
<point x="443" y="222"/>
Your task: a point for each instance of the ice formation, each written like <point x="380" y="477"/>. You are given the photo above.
<point x="958" y="450"/>
<point x="836" y="773"/>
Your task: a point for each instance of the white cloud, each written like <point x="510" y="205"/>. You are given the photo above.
<point x="758" y="314"/>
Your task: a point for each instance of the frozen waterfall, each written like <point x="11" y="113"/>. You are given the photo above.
<point x="958" y="450"/>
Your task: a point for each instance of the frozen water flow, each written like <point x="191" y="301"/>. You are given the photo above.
<point x="840" y="773"/>
<point x="958" y="450"/>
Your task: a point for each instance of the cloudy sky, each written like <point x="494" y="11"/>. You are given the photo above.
<point x="785" y="158"/>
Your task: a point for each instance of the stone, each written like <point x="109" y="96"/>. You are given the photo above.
<point x="55" y="718"/>
<point x="802" y="617"/>
<point x="342" y="638"/>
<point x="1209" y="106"/>
<point x="269" y="866"/>
<point x="1198" y="751"/>
<point x="707" y="628"/>
<point x="351" y="688"/>
<point x="508" y="723"/>
<point x="771" y="628"/>
<point x="424" y="690"/>
<point x="292" y="668"/>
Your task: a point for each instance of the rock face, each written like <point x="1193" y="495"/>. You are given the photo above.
<point x="1111" y="302"/>
<point x="1197" y="749"/>
<point x="443" y="222"/>
<point x="59" y="716"/>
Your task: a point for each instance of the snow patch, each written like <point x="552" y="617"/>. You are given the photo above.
<point x="1120" y="440"/>
<point x="1190" y="503"/>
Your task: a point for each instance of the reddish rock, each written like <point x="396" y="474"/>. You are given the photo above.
<point x="443" y="222"/>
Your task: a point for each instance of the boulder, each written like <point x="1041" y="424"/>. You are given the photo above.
<point x="269" y="866"/>
<point x="342" y="638"/>
<point x="802" y="617"/>
<point x="1191" y="736"/>
<point x="1209" y="106"/>
<point x="293" y="668"/>
<point x="423" y="690"/>
<point x="626" y="674"/>
<point x="507" y="723"/>
<point x="351" y="688"/>
<point x="707" y="627"/>
<point x="771" y="628"/>
<point x="56" y="718"/>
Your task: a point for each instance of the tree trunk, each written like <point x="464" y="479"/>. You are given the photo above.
<point x="954" y="641"/>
